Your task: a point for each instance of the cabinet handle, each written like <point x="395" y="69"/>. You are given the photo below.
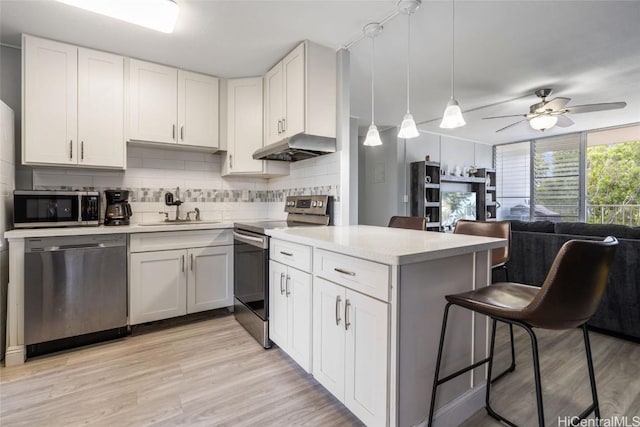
<point x="338" y="319"/>
<point x="347" y="323"/>
<point x="182" y="132"/>
<point x="349" y="273"/>
<point x="173" y="132"/>
<point x="279" y="127"/>
<point x="281" y="283"/>
<point x="284" y="125"/>
<point x="71" y="149"/>
<point x="230" y="161"/>
<point x="81" y="150"/>
<point x="288" y="280"/>
<point x="191" y="262"/>
<point x="286" y="253"/>
<point x="182" y="257"/>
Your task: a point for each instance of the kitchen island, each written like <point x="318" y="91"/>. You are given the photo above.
<point x="377" y="304"/>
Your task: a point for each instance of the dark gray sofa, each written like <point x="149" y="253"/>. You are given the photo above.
<point x="534" y="246"/>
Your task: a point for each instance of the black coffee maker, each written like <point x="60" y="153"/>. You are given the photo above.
<point x="118" y="209"/>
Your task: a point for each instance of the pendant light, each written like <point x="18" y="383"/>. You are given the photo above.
<point x="452" y="117"/>
<point x="373" y="136"/>
<point x="408" y="127"/>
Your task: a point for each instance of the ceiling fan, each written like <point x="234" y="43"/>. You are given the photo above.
<point x="545" y="114"/>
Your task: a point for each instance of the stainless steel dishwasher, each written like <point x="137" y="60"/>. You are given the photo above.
<point x="75" y="291"/>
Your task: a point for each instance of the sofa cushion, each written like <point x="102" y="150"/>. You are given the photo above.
<point x="534" y="226"/>
<point x="599" y="230"/>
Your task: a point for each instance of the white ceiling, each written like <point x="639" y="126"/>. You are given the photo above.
<point x="588" y="51"/>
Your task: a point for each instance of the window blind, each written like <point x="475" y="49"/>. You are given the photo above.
<point x="513" y="180"/>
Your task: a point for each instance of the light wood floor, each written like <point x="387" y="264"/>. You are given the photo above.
<point x="211" y="372"/>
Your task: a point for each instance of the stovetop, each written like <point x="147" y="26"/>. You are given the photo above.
<point x="261" y="226"/>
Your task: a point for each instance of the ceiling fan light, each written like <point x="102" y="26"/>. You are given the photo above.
<point x="408" y="127"/>
<point x="159" y="15"/>
<point x="373" y="137"/>
<point x="452" y="117"/>
<point x="543" y="122"/>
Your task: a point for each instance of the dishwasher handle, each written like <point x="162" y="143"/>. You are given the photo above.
<point x="66" y="243"/>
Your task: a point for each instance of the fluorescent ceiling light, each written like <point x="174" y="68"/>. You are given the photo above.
<point x="159" y="15"/>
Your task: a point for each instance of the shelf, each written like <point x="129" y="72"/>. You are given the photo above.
<point x="431" y="204"/>
<point x="490" y="203"/>
<point x="491" y="188"/>
<point x="467" y="179"/>
<point x="433" y="164"/>
<point x="433" y="224"/>
<point x="431" y="185"/>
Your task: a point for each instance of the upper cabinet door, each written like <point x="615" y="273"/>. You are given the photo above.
<point x="294" y="74"/>
<point x="50" y="102"/>
<point x="153" y="100"/>
<point x="100" y="109"/>
<point x="274" y="104"/>
<point x="244" y="124"/>
<point x="197" y="110"/>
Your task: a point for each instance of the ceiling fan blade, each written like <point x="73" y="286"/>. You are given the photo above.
<point x="512" y="124"/>
<point x="556" y="103"/>
<point x="502" y="117"/>
<point x="564" y="121"/>
<point x="588" y="108"/>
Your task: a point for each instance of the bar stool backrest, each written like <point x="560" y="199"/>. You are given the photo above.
<point x="498" y="229"/>
<point x="410" y="222"/>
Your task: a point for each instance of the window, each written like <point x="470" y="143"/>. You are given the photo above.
<point x="556" y="178"/>
<point x="613" y="176"/>
<point x="587" y="176"/>
<point x="513" y="180"/>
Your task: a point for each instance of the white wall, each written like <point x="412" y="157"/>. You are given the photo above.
<point x="7" y="184"/>
<point x="384" y="171"/>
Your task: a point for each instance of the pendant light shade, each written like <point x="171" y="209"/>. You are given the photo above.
<point x="408" y="127"/>
<point x="543" y="122"/>
<point x="452" y="117"/>
<point x="373" y="136"/>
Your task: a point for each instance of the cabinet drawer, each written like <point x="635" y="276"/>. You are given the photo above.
<point x="291" y="254"/>
<point x="367" y="277"/>
<point x="165" y="240"/>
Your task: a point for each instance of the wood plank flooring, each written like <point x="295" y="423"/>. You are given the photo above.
<point x="210" y="372"/>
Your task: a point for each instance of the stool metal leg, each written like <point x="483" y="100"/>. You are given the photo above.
<point x="436" y="375"/>
<point x="592" y="377"/>
<point x="536" y="371"/>
<point x="511" y="367"/>
<point x="487" y="401"/>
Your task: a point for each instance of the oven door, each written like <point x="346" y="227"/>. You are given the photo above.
<point x="251" y="271"/>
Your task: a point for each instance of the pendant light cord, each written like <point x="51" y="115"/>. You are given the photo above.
<point x="408" y="57"/>
<point x="373" y="71"/>
<point x="453" y="43"/>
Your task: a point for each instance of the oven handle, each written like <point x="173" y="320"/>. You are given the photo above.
<point x="260" y="242"/>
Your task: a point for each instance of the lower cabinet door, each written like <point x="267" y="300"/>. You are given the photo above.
<point x="210" y="278"/>
<point x="329" y="336"/>
<point x="366" y="361"/>
<point x="157" y="285"/>
<point x="298" y="290"/>
<point x="278" y="304"/>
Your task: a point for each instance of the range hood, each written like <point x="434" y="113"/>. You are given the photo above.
<point x="297" y="147"/>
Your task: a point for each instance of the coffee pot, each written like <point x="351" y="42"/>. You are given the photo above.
<point x="118" y="208"/>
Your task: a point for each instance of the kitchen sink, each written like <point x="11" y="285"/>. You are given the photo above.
<point x="179" y="222"/>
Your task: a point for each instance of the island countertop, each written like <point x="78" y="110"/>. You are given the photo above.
<point x="386" y="245"/>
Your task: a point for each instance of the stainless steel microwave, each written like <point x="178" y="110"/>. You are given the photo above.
<point x="42" y="208"/>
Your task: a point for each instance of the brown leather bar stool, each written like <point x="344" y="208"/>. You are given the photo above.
<point x="499" y="259"/>
<point x="567" y="299"/>
<point x="410" y="222"/>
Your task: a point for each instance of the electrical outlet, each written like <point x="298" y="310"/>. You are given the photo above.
<point x="406" y="198"/>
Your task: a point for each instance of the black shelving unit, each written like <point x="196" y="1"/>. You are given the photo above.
<point x="425" y="192"/>
<point x="486" y="205"/>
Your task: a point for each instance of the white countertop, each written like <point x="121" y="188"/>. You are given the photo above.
<point x="22" y="233"/>
<point x="387" y="245"/>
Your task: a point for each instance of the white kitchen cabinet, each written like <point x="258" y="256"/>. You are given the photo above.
<point x="350" y="345"/>
<point x="73" y="105"/>
<point x="158" y="286"/>
<point x="169" y="277"/>
<point x="300" y="94"/>
<point x="241" y="130"/>
<point x="171" y="106"/>
<point x="290" y="312"/>
<point x="210" y="273"/>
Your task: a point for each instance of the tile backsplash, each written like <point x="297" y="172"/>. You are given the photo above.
<point x="151" y="172"/>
